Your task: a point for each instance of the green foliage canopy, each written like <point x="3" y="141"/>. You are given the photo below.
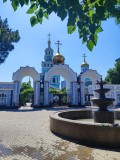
<point x="113" y="75"/>
<point x="56" y="91"/>
<point x="25" y="91"/>
<point x="7" y="38"/>
<point x="83" y="15"/>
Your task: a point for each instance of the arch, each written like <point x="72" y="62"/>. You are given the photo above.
<point x="71" y="82"/>
<point x="90" y="75"/>
<point x="26" y="71"/>
<point x="17" y="78"/>
<point x="63" y="70"/>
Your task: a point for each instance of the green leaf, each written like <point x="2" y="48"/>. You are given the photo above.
<point x="90" y="45"/>
<point x="32" y="8"/>
<point x="4" y="1"/>
<point x="71" y="29"/>
<point x="99" y="30"/>
<point x="45" y="15"/>
<point x="61" y="13"/>
<point x="26" y="2"/>
<point x="95" y="38"/>
<point x="39" y="15"/>
<point x="92" y="28"/>
<point x="21" y="2"/>
<point x="40" y="20"/>
<point x="80" y="25"/>
<point x="15" y="4"/>
<point x="33" y="21"/>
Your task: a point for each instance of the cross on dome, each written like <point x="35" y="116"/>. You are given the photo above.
<point x="49" y="35"/>
<point x="84" y="56"/>
<point x="58" y="43"/>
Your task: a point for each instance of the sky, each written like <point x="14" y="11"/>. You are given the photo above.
<point x="29" y="51"/>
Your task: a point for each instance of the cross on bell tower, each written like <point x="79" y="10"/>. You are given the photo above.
<point x="58" y="43"/>
<point x="49" y="42"/>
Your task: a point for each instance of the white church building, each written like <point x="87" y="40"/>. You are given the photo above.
<point x="79" y="87"/>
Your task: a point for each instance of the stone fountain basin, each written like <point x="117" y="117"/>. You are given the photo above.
<point x="63" y="123"/>
<point x="104" y="90"/>
<point x="102" y="101"/>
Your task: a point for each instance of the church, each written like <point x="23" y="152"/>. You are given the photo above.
<point x="79" y="87"/>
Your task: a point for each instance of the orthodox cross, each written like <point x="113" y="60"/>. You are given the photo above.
<point x="84" y="56"/>
<point x="49" y="36"/>
<point x="58" y="43"/>
<point x="49" y="43"/>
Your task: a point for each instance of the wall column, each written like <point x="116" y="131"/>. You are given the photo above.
<point x="16" y="94"/>
<point x="74" y="93"/>
<point x="36" y="93"/>
<point x="46" y="93"/>
<point x="82" y="96"/>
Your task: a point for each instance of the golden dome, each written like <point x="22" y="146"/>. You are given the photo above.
<point x="84" y="64"/>
<point x="58" y="59"/>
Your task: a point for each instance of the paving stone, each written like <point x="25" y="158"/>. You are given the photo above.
<point x="26" y="136"/>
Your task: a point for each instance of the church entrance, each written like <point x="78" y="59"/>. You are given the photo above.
<point x="70" y="98"/>
<point x="31" y="98"/>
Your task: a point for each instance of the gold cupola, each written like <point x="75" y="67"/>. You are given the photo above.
<point x="84" y="64"/>
<point x="58" y="58"/>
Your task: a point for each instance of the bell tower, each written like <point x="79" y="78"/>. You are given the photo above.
<point x="47" y="63"/>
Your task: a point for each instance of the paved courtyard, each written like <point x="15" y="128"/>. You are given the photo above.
<point x="25" y="135"/>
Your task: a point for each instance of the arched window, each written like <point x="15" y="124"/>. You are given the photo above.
<point x="3" y="99"/>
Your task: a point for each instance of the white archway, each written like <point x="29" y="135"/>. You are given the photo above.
<point x="71" y="82"/>
<point x="63" y="70"/>
<point x="26" y="71"/>
<point x="17" y="79"/>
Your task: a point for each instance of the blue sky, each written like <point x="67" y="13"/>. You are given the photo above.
<point x="30" y="49"/>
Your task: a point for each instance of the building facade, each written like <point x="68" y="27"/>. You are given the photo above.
<point x="79" y="87"/>
<point x="46" y="64"/>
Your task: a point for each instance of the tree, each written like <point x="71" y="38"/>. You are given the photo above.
<point x="63" y="90"/>
<point x="56" y="91"/>
<point x="113" y="75"/>
<point x="53" y="90"/>
<point x="25" y="91"/>
<point x="84" y="15"/>
<point x="7" y="38"/>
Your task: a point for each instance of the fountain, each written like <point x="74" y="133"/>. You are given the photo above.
<point x="77" y="124"/>
<point x="103" y="115"/>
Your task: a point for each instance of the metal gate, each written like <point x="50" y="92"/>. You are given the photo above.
<point x="60" y="100"/>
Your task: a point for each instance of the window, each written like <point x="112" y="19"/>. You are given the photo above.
<point x="53" y="80"/>
<point x="3" y="99"/>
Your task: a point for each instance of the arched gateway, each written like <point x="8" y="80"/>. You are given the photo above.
<point x="62" y="69"/>
<point x="71" y="82"/>
<point x="17" y="79"/>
